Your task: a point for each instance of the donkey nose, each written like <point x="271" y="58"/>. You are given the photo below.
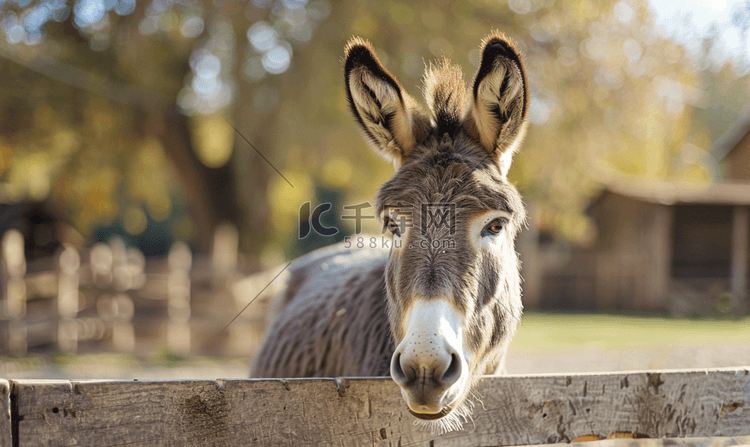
<point x="433" y="367"/>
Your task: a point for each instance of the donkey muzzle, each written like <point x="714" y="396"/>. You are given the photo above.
<point x="429" y="364"/>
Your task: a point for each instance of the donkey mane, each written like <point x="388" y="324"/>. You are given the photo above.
<point x="444" y="92"/>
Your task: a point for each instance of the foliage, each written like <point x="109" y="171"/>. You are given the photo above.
<point x="122" y="111"/>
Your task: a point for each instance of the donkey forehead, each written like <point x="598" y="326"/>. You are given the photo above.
<point x="471" y="185"/>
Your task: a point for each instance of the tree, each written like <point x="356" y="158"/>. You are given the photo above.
<point x="109" y="96"/>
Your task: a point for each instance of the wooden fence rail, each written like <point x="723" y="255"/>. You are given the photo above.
<point x="514" y="410"/>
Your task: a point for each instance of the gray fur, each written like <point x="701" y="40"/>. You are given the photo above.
<point x="334" y="320"/>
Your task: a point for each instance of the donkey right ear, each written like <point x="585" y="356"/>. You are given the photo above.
<point x="381" y="107"/>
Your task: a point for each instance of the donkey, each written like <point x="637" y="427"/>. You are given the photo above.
<point x="439" y="307"/>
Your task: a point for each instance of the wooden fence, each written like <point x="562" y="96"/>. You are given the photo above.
<point x="512" y="410"/>
<point x="110" y="297"/>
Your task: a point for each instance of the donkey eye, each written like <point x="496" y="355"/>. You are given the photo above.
<point x="392" y="226"/>
<point x="495" y="227"/>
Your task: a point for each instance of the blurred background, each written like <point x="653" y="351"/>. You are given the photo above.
<point x="155" y="153"/>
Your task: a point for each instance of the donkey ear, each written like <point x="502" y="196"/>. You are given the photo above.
<point x="497" y="111"/>
<point x="378" y="102"/>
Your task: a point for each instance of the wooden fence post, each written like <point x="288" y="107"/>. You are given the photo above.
<point x="100" y="259"/>
<point x="224" y="258"/>
<point x="14" y="269"/>
<point x="118" y="311"/>
<point x="123" y="333"/>
<point x="224" y="254"/>
<point x="178" y="298"/>
<point x="111" y="268"/>
<point x="6" y="415"/>
<point x="67" y="300"/>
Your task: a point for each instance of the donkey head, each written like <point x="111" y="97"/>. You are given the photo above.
<point x="452" y="277"/>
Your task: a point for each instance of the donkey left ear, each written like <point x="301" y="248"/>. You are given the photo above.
<point x="498" y="109"/>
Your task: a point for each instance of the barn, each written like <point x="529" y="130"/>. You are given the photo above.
<point x="662" y="246"/>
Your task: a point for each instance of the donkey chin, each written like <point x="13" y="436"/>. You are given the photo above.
<point x="431" y="366"/>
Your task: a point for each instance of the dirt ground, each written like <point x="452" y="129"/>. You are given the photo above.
<point x="595" y="358"/>
<point x="578" y="359"/>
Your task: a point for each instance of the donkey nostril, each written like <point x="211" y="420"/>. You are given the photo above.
<point x="397" y="371"/>
<point x="453" y="372"/>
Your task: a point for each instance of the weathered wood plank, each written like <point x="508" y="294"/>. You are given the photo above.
<point x="5" y="420"/>
<point x="514" y="410"/>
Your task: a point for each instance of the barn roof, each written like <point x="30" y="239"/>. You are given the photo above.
<point x="666" y="193"/>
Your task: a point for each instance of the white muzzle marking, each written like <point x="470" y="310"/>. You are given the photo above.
<point x="431" y="362"/>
